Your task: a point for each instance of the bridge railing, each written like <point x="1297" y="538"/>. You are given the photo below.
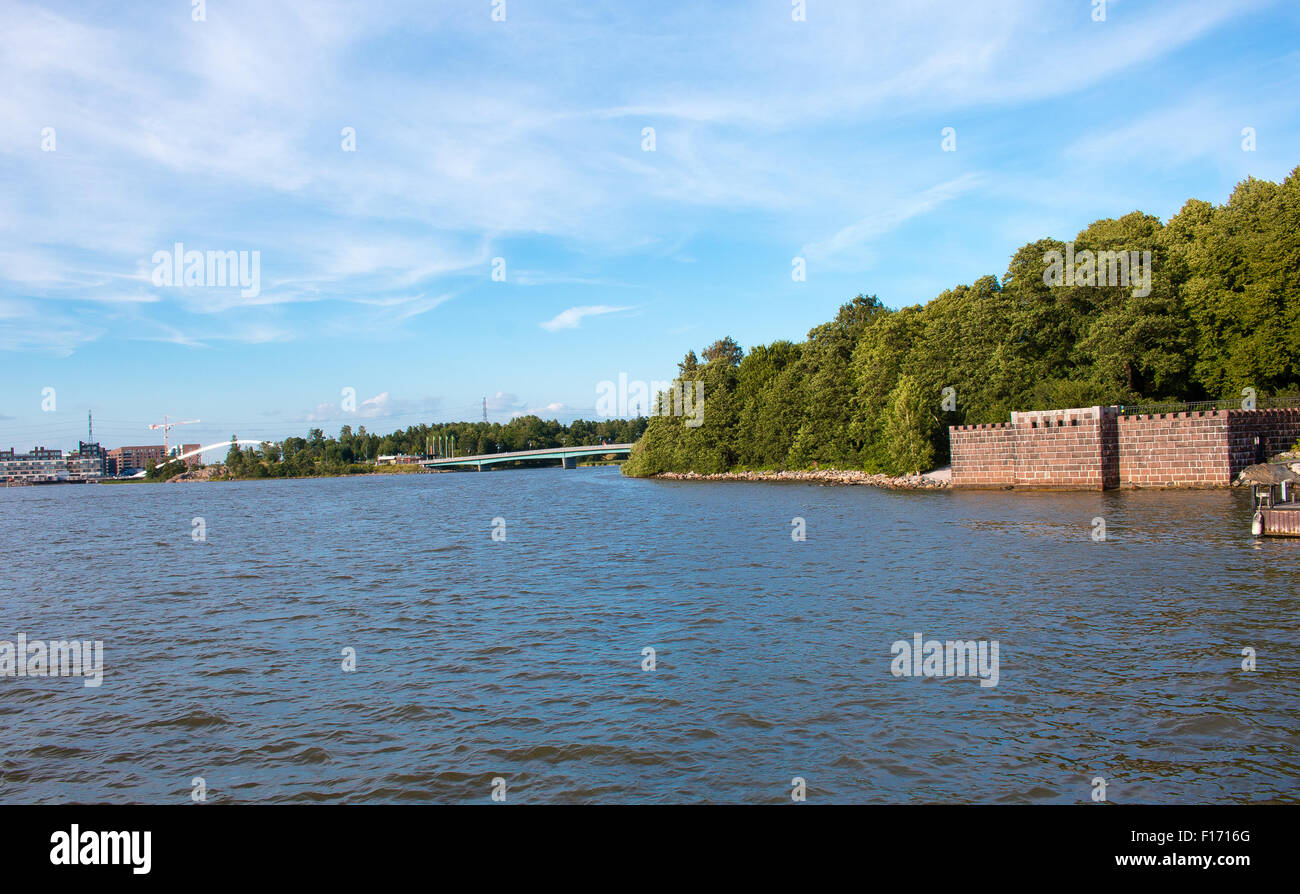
<point x="1197" y="406"/>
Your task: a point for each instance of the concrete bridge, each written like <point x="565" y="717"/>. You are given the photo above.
<point x="568" y="456"/>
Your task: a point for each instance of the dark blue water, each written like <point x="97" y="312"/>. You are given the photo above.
<point x="522" y="659"/>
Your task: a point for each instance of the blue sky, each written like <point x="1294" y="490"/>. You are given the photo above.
<point x="523" y="140"/>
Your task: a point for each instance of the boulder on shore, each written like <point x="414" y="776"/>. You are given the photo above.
<point x="935" y="480"/>
<point x="207" y="473"/>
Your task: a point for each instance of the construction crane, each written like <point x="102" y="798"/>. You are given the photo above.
<point x="166" y="427"/>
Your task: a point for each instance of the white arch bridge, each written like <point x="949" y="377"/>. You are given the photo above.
<point x="568" y="456"/>
<point x="242" y="442"/>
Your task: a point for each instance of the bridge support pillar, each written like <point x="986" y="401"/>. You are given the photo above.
<point x="569" y="462"/>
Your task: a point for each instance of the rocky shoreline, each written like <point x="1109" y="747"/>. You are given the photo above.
<point x="936" y="480"/>
<point x="207" y="473"/>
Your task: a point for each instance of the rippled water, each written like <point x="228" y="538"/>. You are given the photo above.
<point x="522" y="659"/>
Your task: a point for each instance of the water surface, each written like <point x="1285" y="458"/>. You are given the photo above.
<point x="522" y="659"/>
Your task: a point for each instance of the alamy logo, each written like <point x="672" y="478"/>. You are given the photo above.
<point x="633" y="398"/>
<point x="954" y="658"/>
<point x="58" y="658"/>
<point x="77" y="848"/>
<point x="1103" y="268"/>
<point x="179" y="267"/>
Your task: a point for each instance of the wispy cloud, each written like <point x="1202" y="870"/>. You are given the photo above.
<point x="383" y="406"/>
<point x="572" y="318"/>
<point x="1199" y="127"/>
<point x="850" y="241"/>
<point x="541" y="278"/>
<point x="491" y="155"/>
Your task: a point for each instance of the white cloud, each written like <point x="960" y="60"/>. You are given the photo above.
<point x="225" y="134"/>
<point x="1207" y="125"/>
<point x="504" y="402"/>
<point x="851" y="240"/>
<point x="373" y="406"/>
<point x="572" y="318"/>
<point x="382" y="406"/>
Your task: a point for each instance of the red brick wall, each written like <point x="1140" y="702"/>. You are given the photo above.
<point x="1093" y="449"/>
<point x="1175" y="450"/>
<point x="1072" y="449"/>
<point x="983" y="455"/>
<point x="1277" y="431"/>
<point x="1060" y="448"/>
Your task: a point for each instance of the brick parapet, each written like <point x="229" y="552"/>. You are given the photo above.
<point x="1095" y="448"/>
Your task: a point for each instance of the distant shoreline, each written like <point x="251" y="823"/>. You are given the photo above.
<point x="939" y="479"/>
<point x="377" y="472"/>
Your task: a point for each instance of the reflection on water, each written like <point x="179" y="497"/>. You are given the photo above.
<point x="522" y="659"/>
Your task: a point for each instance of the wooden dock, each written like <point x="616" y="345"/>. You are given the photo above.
<point x="1281" y="521"/>
<point x="1273" y="489"/>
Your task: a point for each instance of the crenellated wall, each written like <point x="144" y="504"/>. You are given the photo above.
<point x="983" y="455"/>
<point x="1095" y="448"/>
<point x="1066" y="448"/>
<point x="1175" y="450"/>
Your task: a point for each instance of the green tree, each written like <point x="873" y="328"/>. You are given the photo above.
<point x="724" y="350"/>
<point x="909" y="428"/>
<point x="234" y="458"/>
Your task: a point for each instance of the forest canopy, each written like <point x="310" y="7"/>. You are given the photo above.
<point x="866" y="390"/>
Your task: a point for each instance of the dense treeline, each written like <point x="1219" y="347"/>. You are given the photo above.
<point x="354" y="452"/>
<point x="1221" y="312"/>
